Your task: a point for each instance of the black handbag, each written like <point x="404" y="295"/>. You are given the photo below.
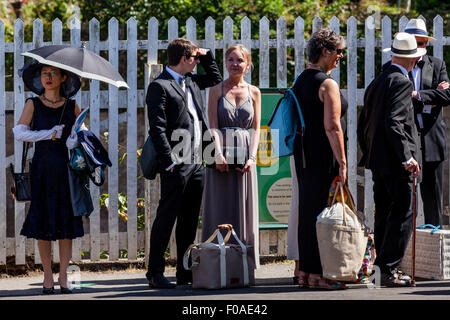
<point x="148" y="160"/>
<point x="21" y="191"/>
<point x="236" y="157"/>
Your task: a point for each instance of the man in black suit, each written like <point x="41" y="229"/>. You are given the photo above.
<point x="428" y="73"/>
<point x="390" y="146"/>
<point x="176" y="110"/>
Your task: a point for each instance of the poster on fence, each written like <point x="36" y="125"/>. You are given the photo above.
<point x="274" y="174"/>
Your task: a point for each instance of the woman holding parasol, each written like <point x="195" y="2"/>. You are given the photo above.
<point x="54" y="75"/>
<point x="50" y="216"/>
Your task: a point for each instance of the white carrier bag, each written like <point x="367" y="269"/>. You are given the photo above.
<point x="342" y="239"/>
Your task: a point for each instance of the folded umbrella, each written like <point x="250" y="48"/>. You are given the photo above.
<point x="79" y="61"/>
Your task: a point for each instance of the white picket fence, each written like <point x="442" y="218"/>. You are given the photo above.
<point x="132" y="99"/>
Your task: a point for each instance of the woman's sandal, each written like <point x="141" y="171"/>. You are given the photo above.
<point x="314" y="283"/>
<point x="303" y="280"/>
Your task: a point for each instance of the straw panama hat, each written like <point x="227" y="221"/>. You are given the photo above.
<point x="417" y="27"/>
<point x="405" y="46"/>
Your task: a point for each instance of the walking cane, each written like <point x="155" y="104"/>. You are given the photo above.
<point x="413" y="255"/>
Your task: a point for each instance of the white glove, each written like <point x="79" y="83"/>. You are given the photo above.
<point x="23" y="133"/>
<point x="72" y="141"/>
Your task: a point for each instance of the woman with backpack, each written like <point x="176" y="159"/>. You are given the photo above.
<point x="322" y="147"/>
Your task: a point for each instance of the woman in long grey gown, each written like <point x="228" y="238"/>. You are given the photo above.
<point x="234" y="112"/>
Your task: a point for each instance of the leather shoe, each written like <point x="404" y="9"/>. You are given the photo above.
<point x="184" y="278"/>
<point x="395" y="279"/>
<point x="48" y="290"/>
<point x="159" y="281"/>
<point x="66" y="290"/>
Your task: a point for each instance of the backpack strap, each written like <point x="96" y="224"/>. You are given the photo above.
<point x="299" y="110"/>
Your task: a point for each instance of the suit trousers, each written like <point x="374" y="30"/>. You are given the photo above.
<point x="393" y="219"/>
<point x="431" y="191"/>
<point x="181" y="196"/>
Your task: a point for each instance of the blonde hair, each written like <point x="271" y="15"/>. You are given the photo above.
<point x="245" y="52"/>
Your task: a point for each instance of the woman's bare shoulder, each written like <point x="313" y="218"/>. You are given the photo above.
<point x="255" y="92"/>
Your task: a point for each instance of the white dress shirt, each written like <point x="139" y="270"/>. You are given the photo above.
<point x="192" y="111"/>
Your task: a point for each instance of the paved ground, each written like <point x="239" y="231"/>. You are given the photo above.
<point x="273" y="282"/>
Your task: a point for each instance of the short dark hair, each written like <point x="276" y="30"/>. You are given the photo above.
<point x="322" y="38"/>
<point x="178" y="48"/>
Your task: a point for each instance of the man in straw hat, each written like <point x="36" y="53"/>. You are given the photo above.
<point x="390" y="147"/>
<point x="428" y="73"/>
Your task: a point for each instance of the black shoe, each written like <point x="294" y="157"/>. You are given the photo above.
<point x="159" y="281"/>
<point x="66" y="290"/>
<point x="184" y="277"/>
<point x="48" y="290"/>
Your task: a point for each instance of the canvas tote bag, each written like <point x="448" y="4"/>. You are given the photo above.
<point x="342" y="239"/>
<point x="221" y="265"/>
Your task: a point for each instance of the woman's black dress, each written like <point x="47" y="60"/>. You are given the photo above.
<point x="50" y="216"/>
<point x="315" y="180"/>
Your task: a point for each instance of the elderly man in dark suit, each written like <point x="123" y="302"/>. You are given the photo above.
<point x="176" y="111"/>
<point x="428" y="73"/>
<point x="390" y="145"/>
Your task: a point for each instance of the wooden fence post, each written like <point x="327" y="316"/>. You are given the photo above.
<point x="94" y="122"/>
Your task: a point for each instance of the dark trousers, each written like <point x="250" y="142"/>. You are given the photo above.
<point x="181" y="196"/>
<point x="313" y="188"/>
<point x="393" y="219"/>
<point x="431" y="191"/>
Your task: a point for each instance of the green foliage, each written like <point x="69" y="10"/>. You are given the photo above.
<point x="48" y="10"/>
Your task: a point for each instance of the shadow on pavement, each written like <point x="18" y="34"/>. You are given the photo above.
<point x="138" y="287"/>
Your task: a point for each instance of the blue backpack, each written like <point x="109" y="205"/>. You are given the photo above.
<point x="287" y="118"/>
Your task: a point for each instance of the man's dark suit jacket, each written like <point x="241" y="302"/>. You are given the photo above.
<point x="433" y="133"/>
<point x="387" y="133"/>
<point x="435" y="97"/>
<point x="168" y="110"/>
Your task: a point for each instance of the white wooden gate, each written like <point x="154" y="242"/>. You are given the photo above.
<point x="112" y="100"/>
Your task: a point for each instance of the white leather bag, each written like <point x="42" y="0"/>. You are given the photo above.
<point x="221" y="265"/>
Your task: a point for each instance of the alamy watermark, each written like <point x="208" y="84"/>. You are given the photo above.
<point x="74" y="277"/>
<point x="236" y="140"/>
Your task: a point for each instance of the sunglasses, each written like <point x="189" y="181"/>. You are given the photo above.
<point x="338" y="51"/>
<point x="196" y="57"/>
<point x="420" y="43"/>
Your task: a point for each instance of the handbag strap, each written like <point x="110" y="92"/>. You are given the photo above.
<point x="24" y="155"/>
<point x="343" y="204"/>
<point x="244" y="257"/>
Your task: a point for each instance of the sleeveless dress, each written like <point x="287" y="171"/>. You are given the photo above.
<point x="315" y="179"/>
<point x="232" y="197"/>
<point x="50" y="216"/>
